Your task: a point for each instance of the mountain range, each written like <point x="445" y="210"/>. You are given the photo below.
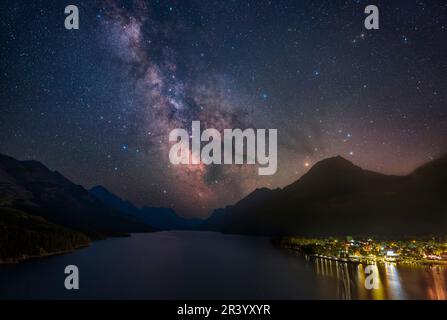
<point x="42" y="212"/>
<point x="337" y="198"/>
<point x="159" y="218"/>
<point x="32" y="188"/>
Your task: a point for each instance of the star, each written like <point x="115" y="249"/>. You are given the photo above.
<point x="164" y="65"/>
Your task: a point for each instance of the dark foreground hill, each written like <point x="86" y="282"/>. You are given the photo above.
<point x="32" y="188"/>
<point x="337" y="198"/>
<point x="24" y="236"/>
<point x="43" y="213"/>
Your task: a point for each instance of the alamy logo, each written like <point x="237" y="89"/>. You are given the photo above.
<point x="249" y="144"/>
<point x="72" y="280"/>
<point x="372" y="277"/>
<point x="72" y="20"/>
<point x="372" y="20"/>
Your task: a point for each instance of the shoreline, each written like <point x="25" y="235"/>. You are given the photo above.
<point x="365" y="260"/>
<point x="24" y="258"/>
<point x="383" y="261"/>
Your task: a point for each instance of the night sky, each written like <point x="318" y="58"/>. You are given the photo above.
<point x="97" y="103"/>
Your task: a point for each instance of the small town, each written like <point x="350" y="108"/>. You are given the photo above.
<point x="349" y="249"/>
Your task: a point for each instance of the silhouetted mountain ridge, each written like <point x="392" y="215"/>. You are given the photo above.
<point x="334" y="177"/>
<point x="31" y="187"/>
<point x="159" y="218"/>
<point x="336" y="197"/>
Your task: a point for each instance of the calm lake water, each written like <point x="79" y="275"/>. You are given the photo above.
<point x="206" y="265"/>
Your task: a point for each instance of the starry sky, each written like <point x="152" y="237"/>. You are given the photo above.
<point x="97" y="103"/>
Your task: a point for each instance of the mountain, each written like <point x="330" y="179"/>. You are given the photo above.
<point x="336" y="197"/>
<point x="113" y="201"/>
<point x="159" y="218"/>
<point x="31" y="188"/>
<point x="24" y="236"/>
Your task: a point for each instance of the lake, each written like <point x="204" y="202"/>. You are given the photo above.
<point x="207" y="265"/>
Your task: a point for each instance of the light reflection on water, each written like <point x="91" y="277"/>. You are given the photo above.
<point x="396" y="282"/>
<point x="205" y="265"/>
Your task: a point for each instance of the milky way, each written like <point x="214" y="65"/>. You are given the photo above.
<point x="97" y="104"/>
<point x="167" y="99"/>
